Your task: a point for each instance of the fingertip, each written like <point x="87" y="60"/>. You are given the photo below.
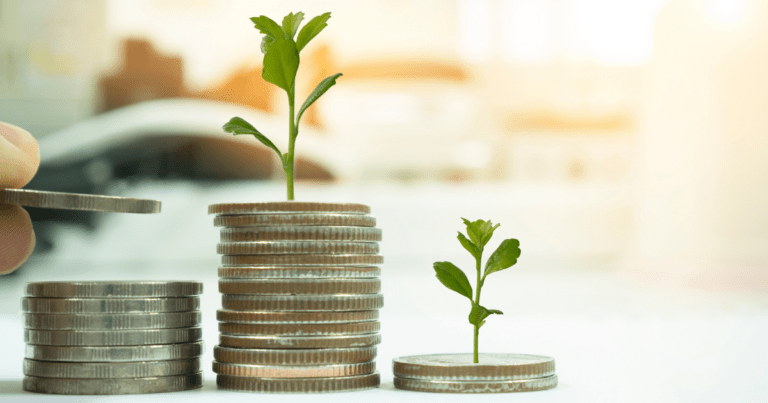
<point x="20" y="154"/>
<point x="17" y="238"/>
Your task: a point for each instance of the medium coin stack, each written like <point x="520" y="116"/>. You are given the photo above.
<point x="301" y="294"/>
<point x="457" y="373"/>
<point x="110" y="338"/>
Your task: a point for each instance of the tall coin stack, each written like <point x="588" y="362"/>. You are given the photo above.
<point x="104" y="338"/>
<point x="300" y="286"/>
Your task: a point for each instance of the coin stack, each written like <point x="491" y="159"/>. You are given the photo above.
<point x="300" y="286"/>
<point x="105" y="338"/>
<point x="457" y="373"/>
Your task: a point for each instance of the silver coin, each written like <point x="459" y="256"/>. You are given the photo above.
<point x="114" y="289"/>
<point x="521" y="385"/>
<point x="109" y="305"/>
<point x="154" y="352"/>
<point x="297" y="247"/>
<point x="287" y="371"/>
<point x="111" y="321"/>
<point x="300" y="233"/>
<point x="299" y="287"/>
<point x="295" y="357"/>
<point x="298" y="329"/>
<point x="461" y="367"/>
<point x="288" y="342"/>
<point x="74" y="201"/>
<point x="299" y="385"/>
<point x="294" y="220"/>
<point x="112" y="337"/>
<point x="301" y="260"/>
<point x="265" y="272"/>
<point x="243" y="302"/>
<point x="296" y="317"/>
<point x="66" y="386"/>
<point x="106" y="370"/>
<point x="287" y="207"/>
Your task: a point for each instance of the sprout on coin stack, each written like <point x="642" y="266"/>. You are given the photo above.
<point x="300" y="301"/>
<point x="103" y="338"/>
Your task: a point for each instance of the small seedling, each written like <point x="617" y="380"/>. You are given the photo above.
<point x="281" y="62"/>
<point x="504" y="257"/>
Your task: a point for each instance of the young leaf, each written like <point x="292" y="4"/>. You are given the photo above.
<point x="321" y="88"/>
<point x="453" y="278"/>
<point x="504" y="257"/>
<point x="238" y="125"/>
<point x="479" y="313"/>
<point x="266" y="26"/>
<point x="480" y="231"/>
<point x="281" y="63"/>
<point x="291" y="24"/>
<point x="468" y="245"/>
<point x="313" y="27"/>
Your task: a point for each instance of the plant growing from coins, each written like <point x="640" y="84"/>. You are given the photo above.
<point x="281" y="62"/>
<point x="479" y="232"/>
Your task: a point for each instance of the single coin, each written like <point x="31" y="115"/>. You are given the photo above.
<point x="520" y="385"/>
<point x="112" y="337"/>
<point x="293" y="220"/>
<point x="297" y="247"/>
<point x="244" y="302"/>
<point x="126" y="386"/>
<point x="277" y="342"/>
<point x="295" y="357"/>
<point x="294" y="233"/>
<point x="287" y="207"/>
<point x="111" y="321"/>
<point x="285" y="371"/>
<point x="104" y="370"/>
<point x="300" y="286"/>
<point x="115" y="353"/>
<point x="491" y="367"/>
<point x="296" y="317"/>
<point x="109" y="305"/>
<point x="110" y="289"/>
<point x="74" y="201"/>
<point x="299" y="385"/>
<point x="308" y="260"/>
<point x="298" y="329"/>
<point x="257" y="272"/>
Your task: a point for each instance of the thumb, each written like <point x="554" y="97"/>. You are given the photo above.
<point x="19" y="156"/>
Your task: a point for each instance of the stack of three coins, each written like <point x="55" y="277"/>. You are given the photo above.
<point x="300" y="286"/>
<point x="97" y="338"/>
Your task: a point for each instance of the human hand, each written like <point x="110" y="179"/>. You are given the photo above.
<point x="19" y="160"/>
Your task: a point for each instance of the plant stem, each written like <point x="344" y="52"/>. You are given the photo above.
<point x="477" y="302"/>
<point x="293" y="132"/>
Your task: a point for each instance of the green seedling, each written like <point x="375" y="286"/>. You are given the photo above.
<point x="281" y="62"/>
<point x="504" y="257"/>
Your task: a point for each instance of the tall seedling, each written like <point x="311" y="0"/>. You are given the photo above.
<point x="281" y="62"/>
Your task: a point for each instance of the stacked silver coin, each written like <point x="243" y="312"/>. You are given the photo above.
<point x="301" y="294"/>
<point x="104" y="338"/>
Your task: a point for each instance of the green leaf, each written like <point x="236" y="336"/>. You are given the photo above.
<point x="480" y="231"/>
<point x="504" y="257"/>
<point x="311" y="30"/>
<point x="266" y="42"/>
<point x="238" y="125"/>
<point x="453" y="278"/>
<point x="266" y="26"/>
<point x="291" y="24"/>
<point x="281" y="63"/>
<point x="468" y="245"/>
<point x="317" y="93"/>
<point x="479" y="313"/>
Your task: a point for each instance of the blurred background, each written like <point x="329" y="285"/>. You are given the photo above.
<point x="625" y="143"/>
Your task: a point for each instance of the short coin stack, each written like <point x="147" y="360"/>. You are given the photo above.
<point x="457" y="373"/>
<point x="104" y="338"/>
<point x="300" y="297"/>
